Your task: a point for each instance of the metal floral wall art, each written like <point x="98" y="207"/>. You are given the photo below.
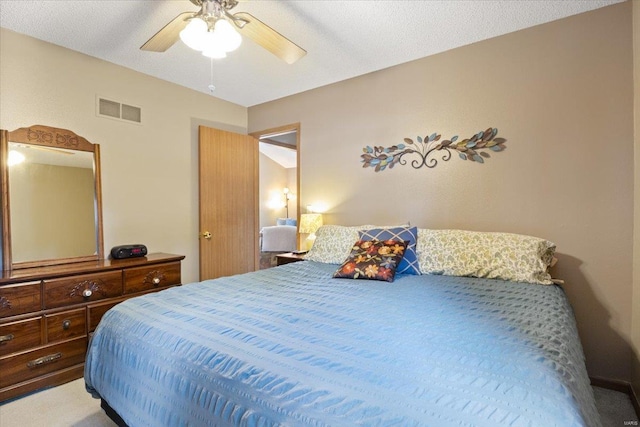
<point x="475" y="149"/>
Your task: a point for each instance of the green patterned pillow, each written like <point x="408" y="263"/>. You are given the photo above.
<point x="503" y="256"/>
<point x="334" y="242"/>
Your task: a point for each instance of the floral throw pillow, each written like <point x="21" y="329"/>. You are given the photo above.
<point x="373" y="260"/>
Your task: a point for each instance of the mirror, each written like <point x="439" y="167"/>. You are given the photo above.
<point x="51" y="198"/>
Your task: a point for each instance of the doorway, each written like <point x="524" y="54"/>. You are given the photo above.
<point x="279" y="195"/>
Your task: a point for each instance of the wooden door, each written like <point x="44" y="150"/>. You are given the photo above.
<point x="228" y="203"/>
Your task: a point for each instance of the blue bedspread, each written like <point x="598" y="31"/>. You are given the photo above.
<point x="291" y="346"/>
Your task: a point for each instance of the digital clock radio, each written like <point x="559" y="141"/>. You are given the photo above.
<point x="128" y="251"/>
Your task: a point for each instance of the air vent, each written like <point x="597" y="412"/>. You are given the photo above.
<point x="118" y="111"/>
<point x="131" y="113"/>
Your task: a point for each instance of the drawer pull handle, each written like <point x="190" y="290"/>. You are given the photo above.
<point x="86" y="288"/>
<point x="66" y="324"/>
<point x="44" y="360"/>
<point x="154" y="278"/>
<point x="5" y="338"/>
<point x="5" y="303"/>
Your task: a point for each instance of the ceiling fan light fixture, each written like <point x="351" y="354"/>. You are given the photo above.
<point x="212" y="41"/>
<point x="213" y="45"/>
<point x="212" y="52"/>
<point x="215" y="16"/>
<point x="194" y="34"/>
<point x="228" y="36"/>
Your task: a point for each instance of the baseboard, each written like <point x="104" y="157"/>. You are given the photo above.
<point x="621" y="386"/>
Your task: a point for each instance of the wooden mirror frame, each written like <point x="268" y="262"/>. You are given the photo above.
<point x="47" y="136"/>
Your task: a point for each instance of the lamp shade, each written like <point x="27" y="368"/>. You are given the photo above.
<point x="309" y="223"/>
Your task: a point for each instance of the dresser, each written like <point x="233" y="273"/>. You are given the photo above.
<point x="47" y="314"/>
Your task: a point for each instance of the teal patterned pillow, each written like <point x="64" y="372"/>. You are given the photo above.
<point x="409" y="264"/>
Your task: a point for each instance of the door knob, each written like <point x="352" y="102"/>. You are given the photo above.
<point x="206" y="235"/>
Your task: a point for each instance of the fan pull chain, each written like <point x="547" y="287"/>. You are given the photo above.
<point x="211" y="85"/>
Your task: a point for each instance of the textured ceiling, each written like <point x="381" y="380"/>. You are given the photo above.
<point x="343" y="39"/>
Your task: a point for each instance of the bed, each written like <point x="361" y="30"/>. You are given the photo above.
<point x="294" y="346"/>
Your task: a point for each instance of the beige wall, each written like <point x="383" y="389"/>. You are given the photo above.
<point x="273" y="178"/>
<point x="292" y="180"/>
<point x="149" y="171"/>
<point x="636" y="228"/>
<point x="562" y="95"/>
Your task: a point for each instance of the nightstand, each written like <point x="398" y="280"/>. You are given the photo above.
<point x="289" y="257"/>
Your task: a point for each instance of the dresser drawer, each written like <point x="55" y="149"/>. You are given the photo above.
<point x="96" y="311"/>
<point x="31" y="364"/>
<point x="152" y="277"/>
<point x="66" y="325"/>
<point x="79" y="289"/>
<point x="22" y="335"/>
<point x="20" y="299"/>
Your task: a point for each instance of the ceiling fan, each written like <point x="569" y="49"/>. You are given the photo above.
<point x="212" y="11"/>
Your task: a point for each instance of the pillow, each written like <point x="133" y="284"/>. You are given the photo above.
<point x="503" y="256"/>
<point x="409" y="263"/>
<point x="287" y="221"/>
<point x="334" y="242"/>
<point x="373" y="260"/>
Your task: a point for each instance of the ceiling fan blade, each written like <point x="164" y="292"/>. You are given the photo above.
<point x="268" y="38"/>
<point x="168" y="35"/>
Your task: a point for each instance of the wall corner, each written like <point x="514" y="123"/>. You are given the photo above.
<point x="635" y="321"/>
